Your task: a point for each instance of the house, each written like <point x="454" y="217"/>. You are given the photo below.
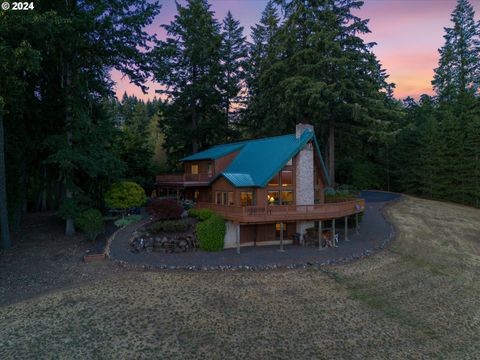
<point x="266" y="189"/>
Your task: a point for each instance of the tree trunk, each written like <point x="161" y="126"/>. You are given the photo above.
<point x="194" y="128"/>
<point x="3" y="188"/>
<point x="43" y="205"/>
<point x="331" y="153"/>
<point x="69" y="222"/>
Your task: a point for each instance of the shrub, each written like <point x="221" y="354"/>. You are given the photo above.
<point x="90" y="222"/>
<point x="164" y="209"/>
<point x="127" y="220"/>
<point x="210" y="233"/>
<point x="201" y="214"/>
<point x="124" y="195"/>
<point x="169" y="226"/>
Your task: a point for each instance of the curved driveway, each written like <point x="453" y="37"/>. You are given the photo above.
<point x="374" y="232"/>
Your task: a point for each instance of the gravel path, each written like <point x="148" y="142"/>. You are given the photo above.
<point x="374" y="233"/>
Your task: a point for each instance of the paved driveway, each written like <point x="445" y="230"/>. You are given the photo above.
<point x="374" y="232"/>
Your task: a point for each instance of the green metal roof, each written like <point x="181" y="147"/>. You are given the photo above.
<point x="259" y="160"/>
<point x="215" y="152"/>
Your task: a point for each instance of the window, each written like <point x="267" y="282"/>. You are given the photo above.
<point x="218" y="197"/>
<point x="209" y="169"/>
<point x="224" y="198"/>
<point x="194" y="169"/>
<point x="196" y="194"/>
<point x="275" y="181"/>
<point x="287" y="197"/>
<point x="277" y="231"/>
<point x="287" y="177"/>
<point x="246" y="198"/>
<point x="273" y="197"/>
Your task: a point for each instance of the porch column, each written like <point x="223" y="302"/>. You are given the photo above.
<point x="320" y="235"/>
<point x="356" y="223"/>
<point x="333" y="233"/>
<point x="346" y="228"/>
<point x="237" y="231"/>
<point x="281" y="237"/>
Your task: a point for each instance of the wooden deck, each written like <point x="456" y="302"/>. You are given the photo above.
<point x="183" y="179"/>
<point x="286" y="213"/>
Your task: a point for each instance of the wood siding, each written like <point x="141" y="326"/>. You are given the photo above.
<point x="222" y="163"/>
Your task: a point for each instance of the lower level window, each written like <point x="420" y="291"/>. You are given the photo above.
<point x="277" y="231"/>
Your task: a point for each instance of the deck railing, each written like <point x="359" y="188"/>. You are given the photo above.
<point x="179" y="178"/>
<point x="276" y="213"/>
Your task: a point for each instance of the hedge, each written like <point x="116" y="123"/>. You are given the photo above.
<point x="169" y="226"/>
<point x="211" y="232"/>
<point x="90" y="222"/>
<point x="201" y="214"/>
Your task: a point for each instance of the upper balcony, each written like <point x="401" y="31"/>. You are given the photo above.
<point x="286" y="213"/>
<point x="184" y="179"/>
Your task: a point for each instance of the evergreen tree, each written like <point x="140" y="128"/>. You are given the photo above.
<point x="459" y="65"/>
<point x="19" y="61"/>
<point x="260" y="55"/>
<point x="322" y="72"/>
<point x="69" y="130"/>
<point x="234" y="54"/>
<point x="134" y="147"/>
<point x="188" y="65"/>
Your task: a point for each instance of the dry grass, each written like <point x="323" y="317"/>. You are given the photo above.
<point x="419" y="299"/>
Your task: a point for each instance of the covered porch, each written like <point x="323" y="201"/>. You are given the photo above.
<point x="282" y="225"/>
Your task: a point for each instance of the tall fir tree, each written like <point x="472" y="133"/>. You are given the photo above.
<point x="188" y="65"/>
<point x="458" y="71"/>
<point x="234" y="54"/>
<point x="66" y="118"/>
<point x="261" y="52"/>
<point x="322" y="72"/>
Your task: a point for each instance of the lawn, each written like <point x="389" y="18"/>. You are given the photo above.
<point x="417" y="299"/>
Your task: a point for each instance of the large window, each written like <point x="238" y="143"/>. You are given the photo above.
<point x="194" y="169"/>
<point x="275" y="181"/>
<point x="231" y="199"/>
<point x="284" y="178"/>
<point x="276" y="197"/>
<point x="287" y="197"/>
<point x="287" y="178"/>
<point x="246" y="198"/>
<point x="273" y="197"/>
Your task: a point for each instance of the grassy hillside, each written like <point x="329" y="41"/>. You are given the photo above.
<point x="419" y="298"/>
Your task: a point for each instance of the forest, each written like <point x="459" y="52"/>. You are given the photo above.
<point x="65" y="137"/>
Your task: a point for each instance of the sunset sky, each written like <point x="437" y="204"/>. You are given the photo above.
<point x="408" y="34"/>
